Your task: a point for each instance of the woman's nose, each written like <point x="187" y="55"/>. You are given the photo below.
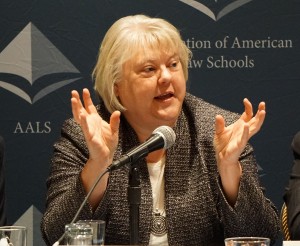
<point x="165" y="75"/>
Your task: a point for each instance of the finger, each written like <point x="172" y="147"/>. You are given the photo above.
<point x="261" y="117"/>
<point x="248" y="113"/>
<point x="85" y="126"/>
<point x="76" y="105"/>
<point x="245" y="135"/>
<point x="87" y="100"/>
<point x="75" y="95"/>
<point x="262" y="106"/>
<point x="261" y="112"/>
<point x="256" y="122"/>
<point x="75" y="111"/>
<point x="219" y="124"/>
<point x="115" y="121"/>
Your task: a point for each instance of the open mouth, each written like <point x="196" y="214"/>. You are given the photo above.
<point x="164" y="96"/>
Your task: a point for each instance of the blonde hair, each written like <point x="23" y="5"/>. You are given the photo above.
<point x="122" y="41"/>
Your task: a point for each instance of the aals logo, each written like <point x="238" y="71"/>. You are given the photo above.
<point x="31" y="58"/>
<point x="215" y="9"/>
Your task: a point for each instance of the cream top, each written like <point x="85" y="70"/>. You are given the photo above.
<point x="156" y="173"/>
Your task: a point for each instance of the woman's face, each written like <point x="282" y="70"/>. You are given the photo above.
<point x="152" y="89"/>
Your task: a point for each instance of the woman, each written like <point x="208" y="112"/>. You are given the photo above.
<point x="205" y="186"/>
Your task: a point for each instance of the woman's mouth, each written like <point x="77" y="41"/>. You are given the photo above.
<point x="164" y="96"/>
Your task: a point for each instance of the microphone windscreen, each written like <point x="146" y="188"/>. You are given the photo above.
<point x="168" y="134"/>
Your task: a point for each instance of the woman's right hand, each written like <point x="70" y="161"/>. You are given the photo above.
<point x="101" y="138"/>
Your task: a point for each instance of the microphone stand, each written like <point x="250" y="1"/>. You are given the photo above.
<point x="134" y="198"/>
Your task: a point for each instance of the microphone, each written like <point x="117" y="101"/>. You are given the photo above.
<point x="161" y="137"/>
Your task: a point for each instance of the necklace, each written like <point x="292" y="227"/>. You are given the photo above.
<point x="158" y="223"/>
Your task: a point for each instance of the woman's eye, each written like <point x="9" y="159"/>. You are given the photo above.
<point x="174" y="64"/>
<point x="149" y="69"/>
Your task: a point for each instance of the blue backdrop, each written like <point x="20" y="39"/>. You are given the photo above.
<point x="241" y="49"/>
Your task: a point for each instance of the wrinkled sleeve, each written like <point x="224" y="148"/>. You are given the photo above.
<point x="65" y="191"/>
<point x="253" y="213"/>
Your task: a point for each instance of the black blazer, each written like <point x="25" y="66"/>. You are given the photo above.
<point x="292" y="194"/>
<point x="2" y="184"/>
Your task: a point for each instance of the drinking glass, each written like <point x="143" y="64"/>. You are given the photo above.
<point x="98" y="230"/>
<point x="13" y="235"/>
<point x="78" y="234"/>
<point x="247" y="241"/>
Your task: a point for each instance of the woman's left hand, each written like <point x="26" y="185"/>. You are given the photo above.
<point x="230" y="142"/>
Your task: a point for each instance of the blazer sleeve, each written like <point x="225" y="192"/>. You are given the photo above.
<point x="65" y="192"/>
<point x="253" y="213"/>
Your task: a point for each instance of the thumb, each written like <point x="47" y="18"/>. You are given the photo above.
<point x="115" y="122"/>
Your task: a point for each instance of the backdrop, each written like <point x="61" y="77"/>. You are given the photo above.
<point x="242" y="48"/>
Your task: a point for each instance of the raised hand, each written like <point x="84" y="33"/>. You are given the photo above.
<point x="101" y="136"/>
<point x="230" y="142"/>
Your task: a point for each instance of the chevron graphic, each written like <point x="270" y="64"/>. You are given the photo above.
<point x="207" y="11"/>
<point x="31" y="220"/>
<point x="31" y="56"/>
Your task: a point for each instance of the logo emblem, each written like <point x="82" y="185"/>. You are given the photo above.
<point x="218" y="10"/>
<point x="31" y="58"/>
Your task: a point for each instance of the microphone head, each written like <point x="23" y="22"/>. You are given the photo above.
<point x="167" y="134"/>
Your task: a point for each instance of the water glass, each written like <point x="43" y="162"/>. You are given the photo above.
<point x="13" y="235"/>
<point x="98" y="230"/>
<point x="247" y="241"/>
<point x="78" y="234"/>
